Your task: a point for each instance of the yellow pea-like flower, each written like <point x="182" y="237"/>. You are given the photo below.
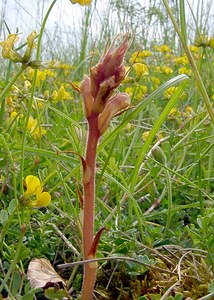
<point x="33" y="184"/>
<point x="81" y="2"/>
<point x="34" y="188"/>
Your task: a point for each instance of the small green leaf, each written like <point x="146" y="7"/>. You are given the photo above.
<point x="16" y="282"/>
<point x="178" y="296"/>
<point x="52" y="293"/>
<point x="12" y="206"/>
<point x="211" y="287"/>
<point x="3" y="217"/>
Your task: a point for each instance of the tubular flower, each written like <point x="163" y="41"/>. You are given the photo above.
<point x="34" y="188"/>
<point x="114" y="107"/>
<point x="97" y="89"/>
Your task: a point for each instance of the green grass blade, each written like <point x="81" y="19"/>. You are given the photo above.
<point x="154" y="131"/>
<point x="133" y="115"/>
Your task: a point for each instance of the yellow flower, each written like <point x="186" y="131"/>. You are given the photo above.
<point x="81" y="2"/>
<point x="8" y="44"/>
<point x="30" y="46"/>
<point x="13" y="114"/>
<point x="31" y="123"/>
<point x="61" y="94"/>
<point x="7" y="48"/>
<point x="193" y="48"/>
<point x="145" y="135"/>
<point x="136" y="58"/>
<point x="34" y="188"/>
<point x="129" y="91"/>
<point x="181" y="59"/>
<point x="35" y="131"/>
<point x="128" y="127"/>
<point x="156" y="81"/>
<point x="163" y="48"/>
<point x="189" y="112"/>
<point x="166" y="70"/>
<point x="184" y="71"/>
<point x="140" y="92"/>
<point x="157" y="69"/>
<point x="169" y="92"/>
<point x="174" y="113"/>
<point x="50" y="73"/>
<point x="145" y="53"/>
<point x="141" y="70"/>
<point x="41" y="75"/>
<point x="33" y="185"/>
<point x="211" y="43"/>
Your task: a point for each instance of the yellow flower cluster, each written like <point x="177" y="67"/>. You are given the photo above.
<point x="193" y="49"/>
<point x="156" y="81"/>
<point x="141" y="70"/>
<point x="163" y="48"/>
<point x="60" y="95"/>
<point x="138" y="56"/>
<point x="184" y="70"/>
<point x="174" y="114"/>
<point x="138" y="92"/>
<point x="164" y="70"/>
<point x="169" y="92"/>
<point x="182" y="60"/>
<point x="41" y="75"/>
<point x="34" y="188"/>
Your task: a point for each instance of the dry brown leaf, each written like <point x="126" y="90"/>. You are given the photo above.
<point x="40" y="272"/>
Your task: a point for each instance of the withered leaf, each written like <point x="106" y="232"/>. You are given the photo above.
<point x="40" y="272"/>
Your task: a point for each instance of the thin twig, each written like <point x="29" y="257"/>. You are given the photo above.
<point x="69" y="265"/>
<point x="179" y="278"/>
<point x="68" y="244"/>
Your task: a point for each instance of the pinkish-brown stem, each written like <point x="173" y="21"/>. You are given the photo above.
<point x="88" y="207"/>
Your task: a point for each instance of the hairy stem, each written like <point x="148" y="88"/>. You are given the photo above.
<point x="89" y="198"/>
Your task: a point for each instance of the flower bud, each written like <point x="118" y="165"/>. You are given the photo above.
<point x="159" y="155"/>
<point x="107" y="74"/>
<point x="30" y="46"/>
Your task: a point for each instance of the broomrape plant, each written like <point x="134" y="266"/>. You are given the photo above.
<point x="101" y="104"/>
